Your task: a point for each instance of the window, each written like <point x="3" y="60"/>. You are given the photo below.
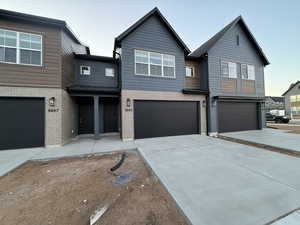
<point x="109" y="72"/>
<point x="295" y="98"/>
<point x="154" y="64"/>
<point x="20" y="48"/>
<point x="237" y="40"/>
<point x="247" y="72"/>
<point x="85" y="70"/>
<point x="228" y="69"/>
<point x="189" y="71"/>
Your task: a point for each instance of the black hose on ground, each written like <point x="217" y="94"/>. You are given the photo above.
<point x="119" y="164"/>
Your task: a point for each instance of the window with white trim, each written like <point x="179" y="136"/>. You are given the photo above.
<point x="228" y="69"/>
<point x="247" y="72"/>
<point x="109" y="72"/>
<point x="20" y="48"/>
<point x="189" y="71"/>
<point x="154" y="64"/>
<point x="85" y="70"/>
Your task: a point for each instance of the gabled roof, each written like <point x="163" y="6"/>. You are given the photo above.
<point x="11" y="15"/>
<point x="153" y="12"/>
<point x="204" y="48"/>
<point x="291" y="87"/>
<point x="276" y="99"/>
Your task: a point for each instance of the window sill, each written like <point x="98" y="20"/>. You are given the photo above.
<point x="20" y="64"/>
<point x="152" y="76"/>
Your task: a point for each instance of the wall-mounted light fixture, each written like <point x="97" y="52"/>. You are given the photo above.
<point x="52" y="101"/>
<point x="203" y="103"/>
<point x="128" y="102"/>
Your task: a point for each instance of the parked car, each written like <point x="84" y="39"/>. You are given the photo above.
<point x="277" y="118"/>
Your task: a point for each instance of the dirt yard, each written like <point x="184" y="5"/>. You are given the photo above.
<point x="68" y="191"/>
<point x="292" y="128"/>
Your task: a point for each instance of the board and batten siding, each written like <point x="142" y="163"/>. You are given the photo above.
<point x="194" y="81"/>
<point x="97" y="77"/>
<point x="226" y="49"/>
<point x="68" y="46"/>
<point x="151" y="36"/>
<point x="47" y="75"/>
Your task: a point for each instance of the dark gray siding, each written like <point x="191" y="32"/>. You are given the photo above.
<point x="226" y="49"/>
<point x="152" y="36"/>
<point x="97" y="77"/>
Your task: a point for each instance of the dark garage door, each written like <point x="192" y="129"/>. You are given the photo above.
<point x="21" y="122"/>
<point x="165" y="118"/>
<point x="237" y="116"/>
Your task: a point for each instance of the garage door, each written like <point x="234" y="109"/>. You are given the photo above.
<point x="237" y="116"/>
<point x="165" y="118"/>
<point x="21" y="122"/>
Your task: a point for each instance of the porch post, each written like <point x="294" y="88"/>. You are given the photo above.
<point x="96" y="117"/>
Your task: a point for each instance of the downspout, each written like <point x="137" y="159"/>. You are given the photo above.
<point x="119" y="87"/>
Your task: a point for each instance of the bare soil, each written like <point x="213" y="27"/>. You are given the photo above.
<point x="290" y="128"/>
<point x="67" y="191"/>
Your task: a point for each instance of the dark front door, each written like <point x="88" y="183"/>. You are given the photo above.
<point x="22" y="123"/>
<point x="86" y="116"/>
<point x="111" y="115"/>
<point x="165" y="118"/>
<point x="237" y="116"/>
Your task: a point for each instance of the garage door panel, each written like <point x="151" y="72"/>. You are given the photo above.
<point x="237" y="116"/>
<point x="22" y="123"/>
<point x="165" y="118"/>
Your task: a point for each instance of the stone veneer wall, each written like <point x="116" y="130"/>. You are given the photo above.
<point x="127" y="113"/>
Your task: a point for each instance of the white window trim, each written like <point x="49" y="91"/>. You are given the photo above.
<point x="162" y="65"/>
<point x="18" y="48"/>
<point x="229" y="76"/>
<point x="113" y="72"/>
<point x="247" y="65"/>
<point x="83" y="73"/>
<point x="193" y="71"/>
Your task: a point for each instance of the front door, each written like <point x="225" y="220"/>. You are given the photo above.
<point x="111" y="115"/>
<point x="86" y="116"/>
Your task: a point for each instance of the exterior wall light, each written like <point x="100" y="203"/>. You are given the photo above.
<point x="128" y="102"/>
<point x="203" y="103"/>
<point x="52" y="101"/>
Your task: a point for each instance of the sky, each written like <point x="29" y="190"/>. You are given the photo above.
<point x="275" y="25"/>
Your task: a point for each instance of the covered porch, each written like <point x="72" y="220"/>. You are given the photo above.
<point x="98" y="112"/>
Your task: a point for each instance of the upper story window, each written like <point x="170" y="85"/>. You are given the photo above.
<point x="189" y="71"/>
<point x="85" y="70"/>
<point x="20" y="48"/>
<point x="109" y="72"/>
<point x="228" y="69"/>
<point x="248" y="72"/>
<point x="154" y="64"/>
<point x="295" y="98"/>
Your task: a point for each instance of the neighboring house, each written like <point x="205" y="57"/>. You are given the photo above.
<point x="234" y="64"/>
<point x="292" y="100"/>
<point x="52" y="89"/>
<point x="274" y="103"/>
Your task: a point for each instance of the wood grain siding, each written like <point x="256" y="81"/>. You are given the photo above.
<point x="229" y="85"/>
<point x="295" y="104"/>
<point x="49" y="74"/>
<point x="193" y="82"/>
<point x="248" y="86"/>
<point x="68" y="46"/>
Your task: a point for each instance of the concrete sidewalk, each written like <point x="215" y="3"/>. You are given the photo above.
<point x="12" y="159"/>
<point x="271" y="137"/>
<point x="219" y="182"/>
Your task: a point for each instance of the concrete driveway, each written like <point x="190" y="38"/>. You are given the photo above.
<point x="219" y="182"/>
<point x="213" y="181"/>
<point x="271" y="137"/>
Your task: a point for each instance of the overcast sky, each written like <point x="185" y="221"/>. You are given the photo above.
<point x="275" y="25"/>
